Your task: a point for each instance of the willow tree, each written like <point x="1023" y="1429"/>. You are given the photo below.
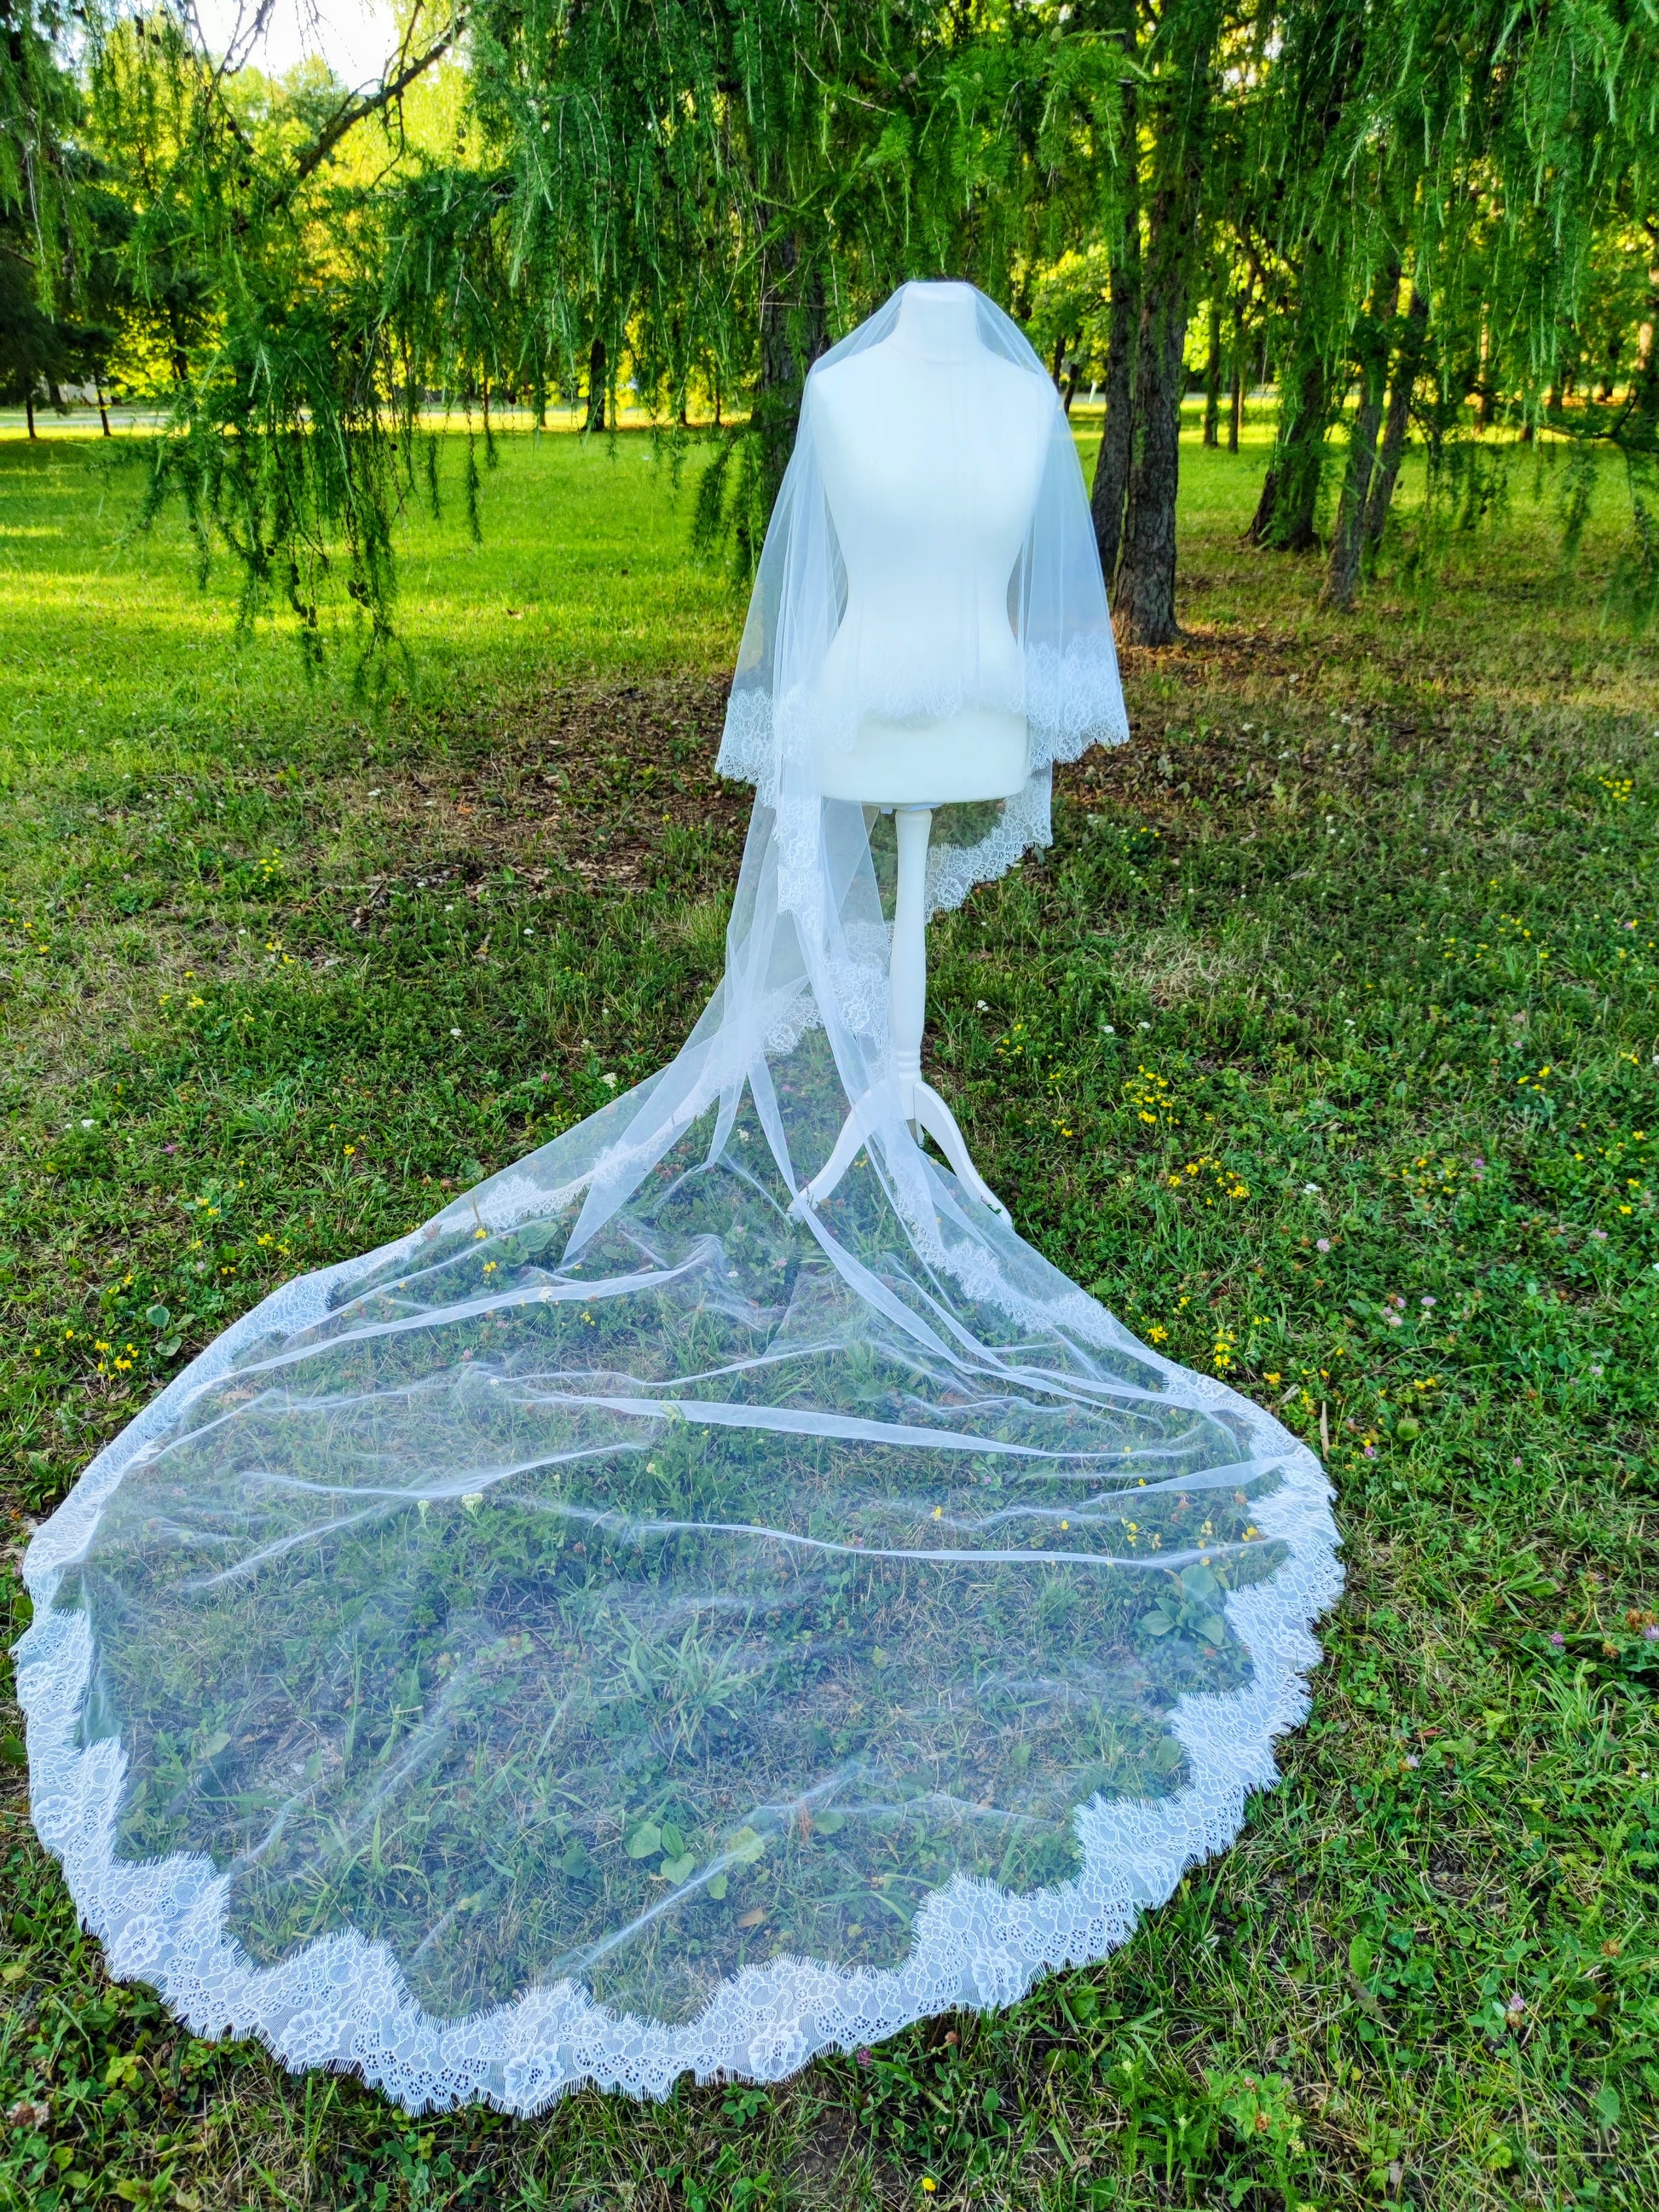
<point x="688" y="193"/>
<point x="263" y="269"/>
<point x="58" y="225"/>
<point x="1435" y="183"/>
<point x="1421" y="210"/>
<point x="1414" y="201"/>
<point x="38" y="103"/>
<point x="1170" y="58"/>
<point x="719" y="191"/>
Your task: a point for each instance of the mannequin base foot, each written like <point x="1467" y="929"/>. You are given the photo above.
<point x="927" y="1114"/>
<point x="930" y="1113"/>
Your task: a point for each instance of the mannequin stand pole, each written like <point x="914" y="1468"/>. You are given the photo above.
<point x="919" y="1103"/>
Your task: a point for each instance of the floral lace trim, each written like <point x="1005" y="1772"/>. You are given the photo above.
<point x="1071" y="700"/>
<point x="953" y="870"/>
<point x="745" y="753"/>
<point x="1074" y="698"/>
<point x="342" y="2001"/>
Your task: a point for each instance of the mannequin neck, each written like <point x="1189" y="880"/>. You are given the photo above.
<point x="937" y="322"/>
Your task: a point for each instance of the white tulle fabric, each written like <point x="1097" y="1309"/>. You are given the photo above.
<point x="811" y="668"/>
<point x="639" y="1623"/>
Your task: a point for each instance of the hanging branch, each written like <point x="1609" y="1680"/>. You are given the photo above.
<point x="358" y="109"/>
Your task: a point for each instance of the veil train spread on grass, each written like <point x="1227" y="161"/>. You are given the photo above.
<point x="642" y="1620"/>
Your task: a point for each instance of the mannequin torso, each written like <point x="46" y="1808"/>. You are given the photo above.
<point x="931" y="449"/>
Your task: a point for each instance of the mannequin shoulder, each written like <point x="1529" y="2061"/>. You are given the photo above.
<point x="1020" y="391"/>
<point x="850" y="386"/>
<point x="844" y="383"/>
<point x="844" y="402"/>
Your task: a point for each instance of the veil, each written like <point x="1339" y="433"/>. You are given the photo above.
<point x="641" y="1620"/>
<point x="1066" y="663"/>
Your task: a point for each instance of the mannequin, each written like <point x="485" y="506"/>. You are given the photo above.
<point x="931" y="449"/>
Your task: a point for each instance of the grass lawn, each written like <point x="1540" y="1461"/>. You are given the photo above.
<point x="1359" y="917"/>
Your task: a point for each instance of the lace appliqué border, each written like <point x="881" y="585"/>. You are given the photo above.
<point x="341" y="2002"/>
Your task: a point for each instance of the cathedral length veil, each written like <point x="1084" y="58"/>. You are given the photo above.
<point x="639" y="1622"/>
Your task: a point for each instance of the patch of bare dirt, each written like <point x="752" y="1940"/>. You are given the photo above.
<point x="597" y="779"/>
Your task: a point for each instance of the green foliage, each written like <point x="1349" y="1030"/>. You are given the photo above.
<point x="667" y="202"/>
<point x="678" y="208"/>
<point x="1066" y="310"/>
<point x="1497" y="161"/>
<point x="61" y="226"/>
<point x="38" y="106"/>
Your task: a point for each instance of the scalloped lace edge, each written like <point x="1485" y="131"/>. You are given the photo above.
<point x="341" y="2002"/>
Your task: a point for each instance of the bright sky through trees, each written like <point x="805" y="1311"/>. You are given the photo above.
<point x="354" y="37"/>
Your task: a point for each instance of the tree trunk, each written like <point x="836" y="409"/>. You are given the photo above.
<point x="1644" y="384"/>
<point x="103" y="410"/>
<point x="1112" y="463"/>
<point x="1111" y="476"/>
<point x="1286" y="512"/>
<point x="1146" y="561"/>
<point x="28" y="408"/>
<point x="1261" y="522"/>
<point x="1213" y="380"/>
<point x="1146" y="570"/>
<point x="1610" y="373"/>
<point x="1644" y="350"/>
<point x="791" y="336"/>
<point x="1407" y="361"/>
<point x="597" y="371"/>
<point x="1348" y="539"/>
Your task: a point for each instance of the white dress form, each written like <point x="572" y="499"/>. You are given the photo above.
<point x="931" y="449"/>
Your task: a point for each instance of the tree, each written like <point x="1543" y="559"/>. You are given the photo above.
<point x="1181" y="60"/>
<point x="676" y="194"/>
<point x="33" y="353"/>
<point x="1111" y="476"/>
<point x="39" y="232"/>
<point x="1475" y="160"/>
<point x="1371" y="348"/>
